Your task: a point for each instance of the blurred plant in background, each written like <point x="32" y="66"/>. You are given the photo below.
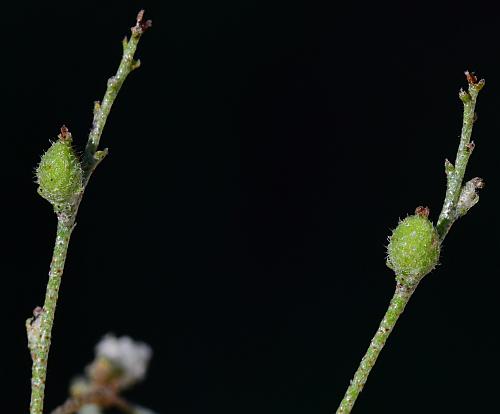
<point x="119" y="364"/>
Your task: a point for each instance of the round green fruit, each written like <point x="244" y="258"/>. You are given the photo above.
<point x="413" y="249"/>
<point x="59" y="174"/>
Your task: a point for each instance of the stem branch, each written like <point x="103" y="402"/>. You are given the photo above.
<point x="455" y="174"/>
<point x="102" y="109"/>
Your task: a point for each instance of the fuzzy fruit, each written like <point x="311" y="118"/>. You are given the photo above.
<point x="59" y="174"/>
<point x="413" y="249"/>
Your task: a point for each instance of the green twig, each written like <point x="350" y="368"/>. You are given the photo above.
<point x="455" y="174"/>
<point x="39" y="328"/>
<point x="102" y="109"/>
<point x="396" y="307"/>
<point x="458" y="200"/>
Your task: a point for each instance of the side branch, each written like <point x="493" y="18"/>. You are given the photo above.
<point x="455" y="174"/>
<point x="102" y="109"/>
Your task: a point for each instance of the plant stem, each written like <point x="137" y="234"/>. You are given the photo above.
<point x="398" y="302"/>
<point x="42" y="326"/>
<point x="102" y="110"/>
<point x="39" y="328"/>
<point x="454" y="206"/>
<point x="455" y="174"/>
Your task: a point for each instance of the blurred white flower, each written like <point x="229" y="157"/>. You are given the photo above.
<point x="131" y="357"/>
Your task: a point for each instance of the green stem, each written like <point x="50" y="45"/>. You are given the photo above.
<point x="455" y="174"/>
<point x="453" y="208"/>
<point x="41" y="327"/>
<point x="396" y="307"/>
<point x="102" y="109"/>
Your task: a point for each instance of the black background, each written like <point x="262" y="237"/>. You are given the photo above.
<point x="258" y="159"/>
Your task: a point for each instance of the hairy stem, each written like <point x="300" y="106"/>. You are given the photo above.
<point x="455" y="174"/>
<point x="102" y="109"/>
<point x="398" y="302"/>
<point x="458" y="200"/>
<point x="39" y="328"/>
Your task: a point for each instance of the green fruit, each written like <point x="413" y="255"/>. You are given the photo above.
<point x="59" y="174"/>
<point x="413" y="249"/>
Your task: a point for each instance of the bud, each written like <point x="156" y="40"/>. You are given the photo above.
<point x="59" y="174"/>
<point x="469" y="195"/>
<point x="414" y="248"/>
